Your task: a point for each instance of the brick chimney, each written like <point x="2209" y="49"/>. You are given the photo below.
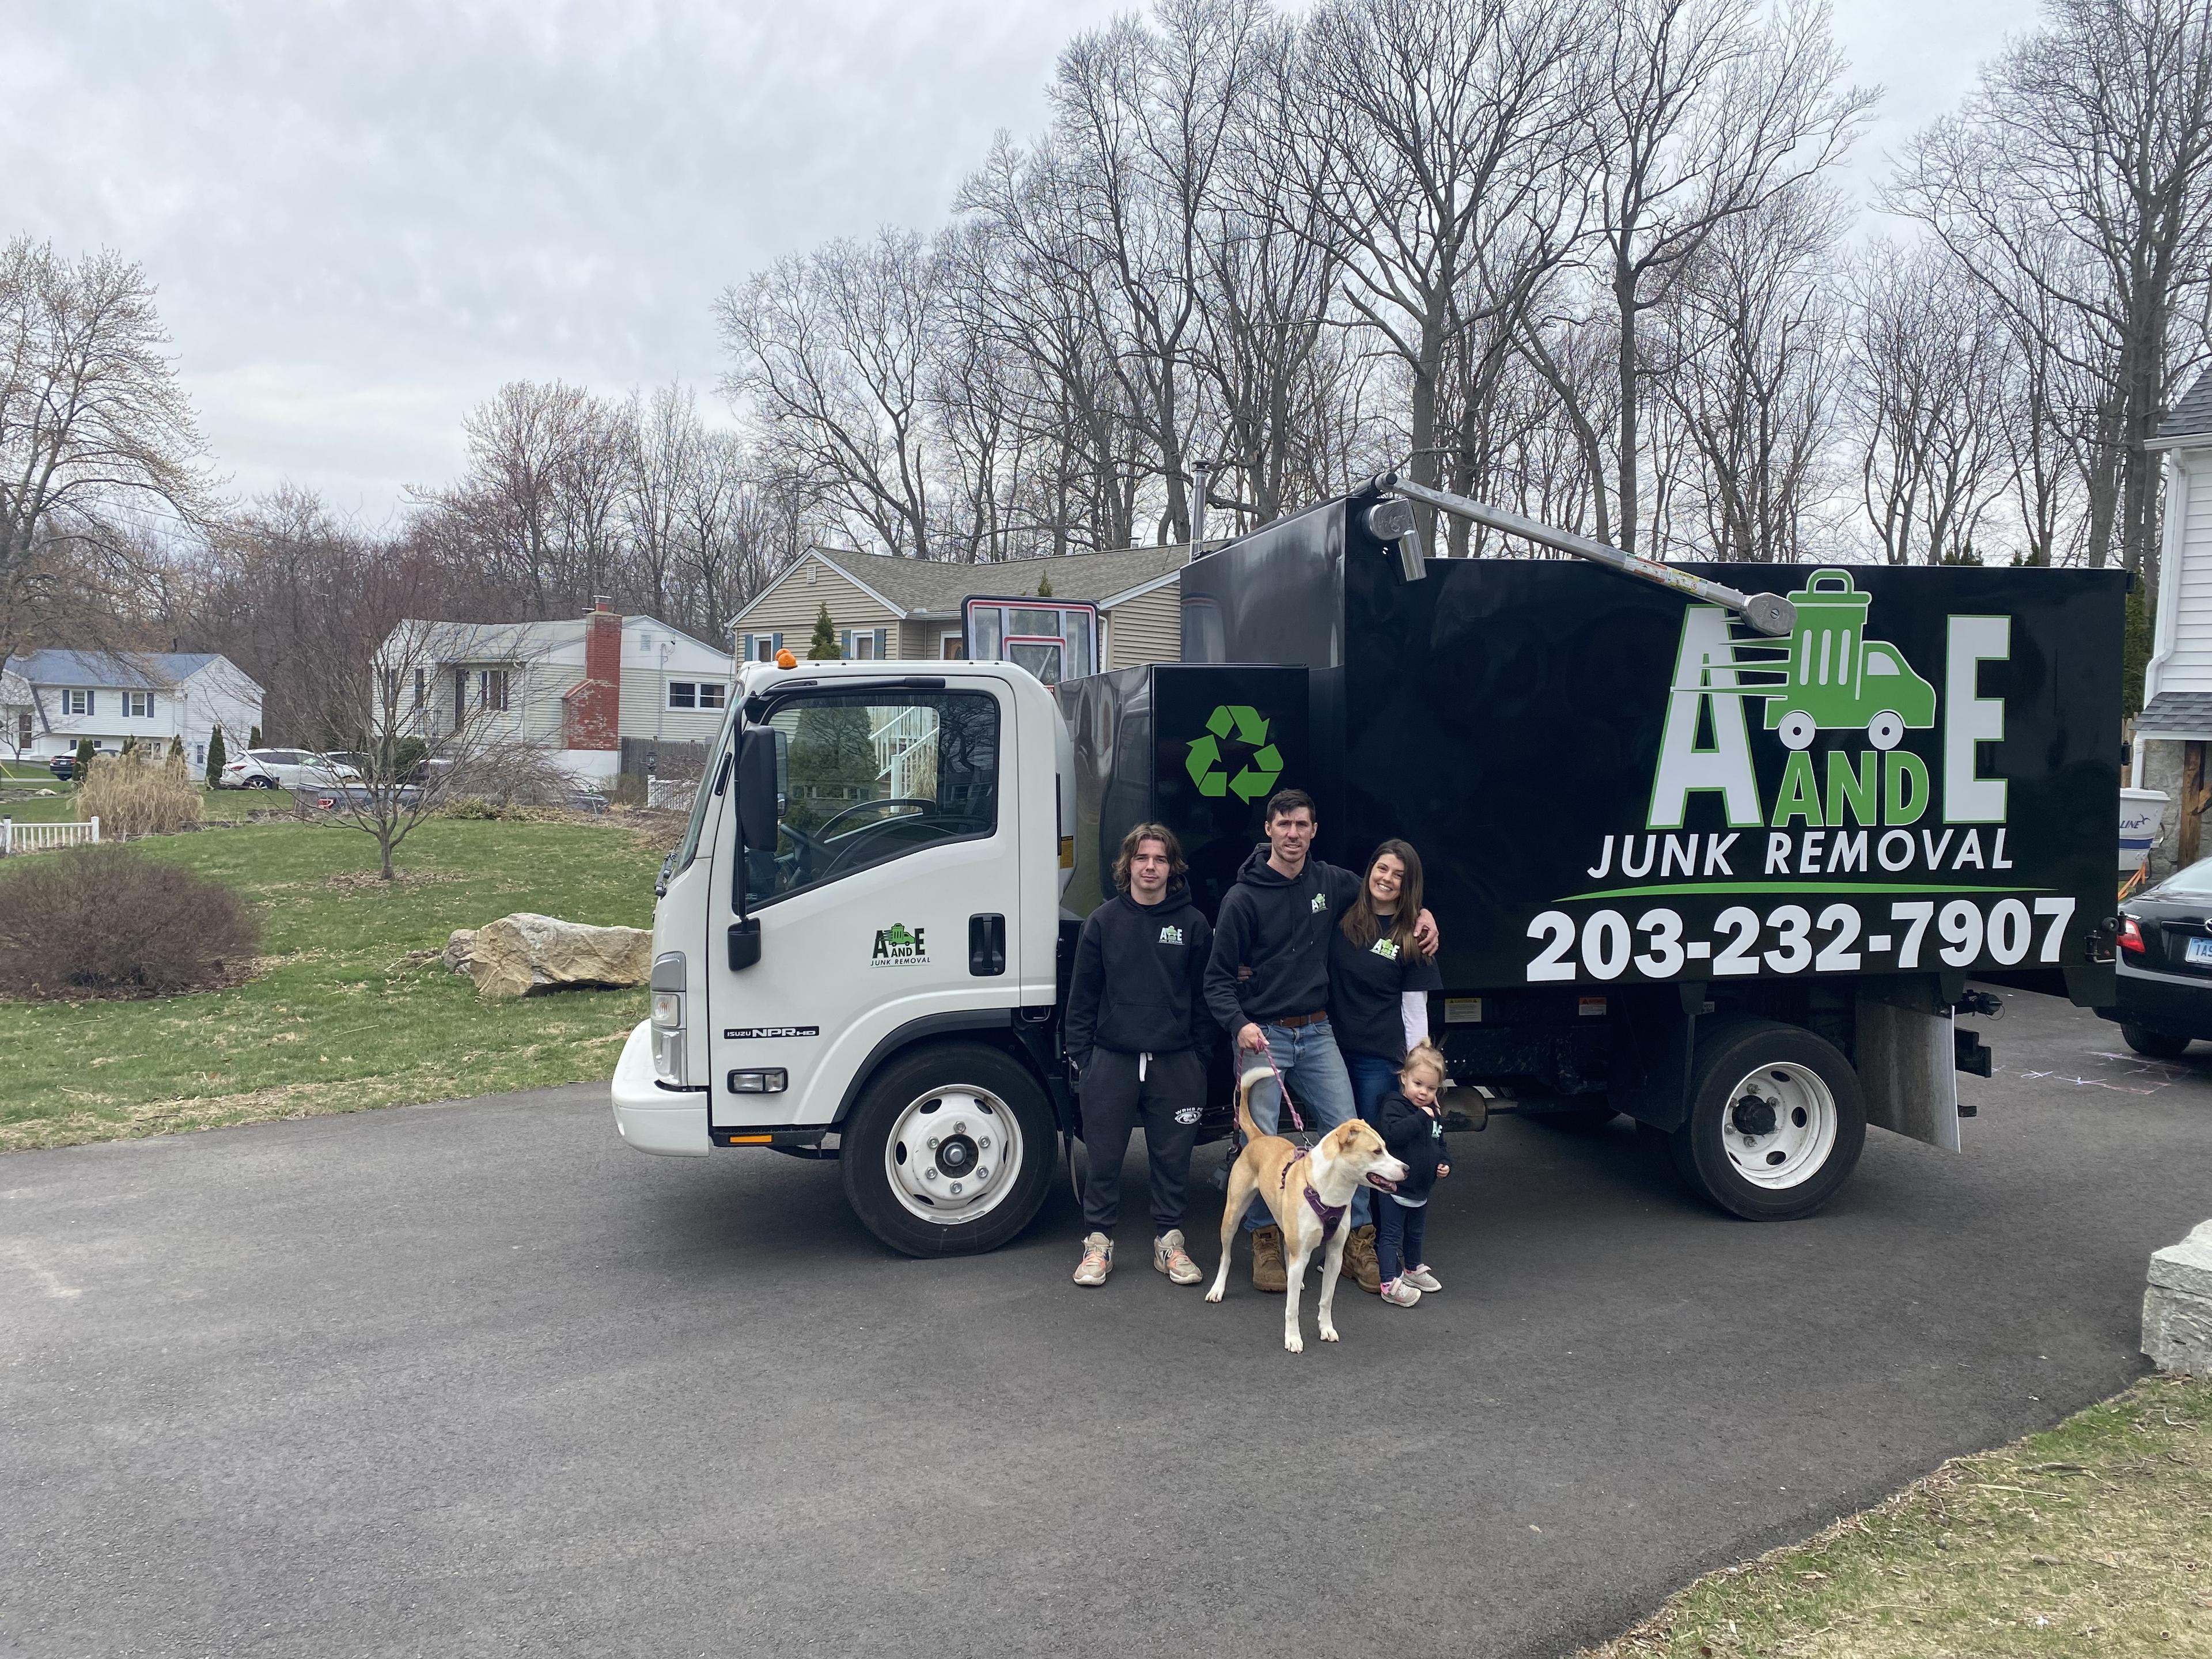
<point x="591" y="710"/>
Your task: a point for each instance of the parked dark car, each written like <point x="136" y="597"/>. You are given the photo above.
<point x="63" y="767"/>
<point x="2166" y="964"/>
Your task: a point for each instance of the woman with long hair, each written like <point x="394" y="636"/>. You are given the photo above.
<point x="1378" y="984"/>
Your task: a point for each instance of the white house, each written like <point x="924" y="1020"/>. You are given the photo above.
<point x="580" y="687"/>
<point x="50" y="699"/>
<point x="2176" y="722"/>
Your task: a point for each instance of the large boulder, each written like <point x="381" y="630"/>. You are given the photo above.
<point x="525" y="953"/>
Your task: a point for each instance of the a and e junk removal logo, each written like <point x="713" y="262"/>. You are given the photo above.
<point x="1827" y="676"/>
<point x="897" y="946"/>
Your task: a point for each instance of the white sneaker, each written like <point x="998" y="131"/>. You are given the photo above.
<point x="1098" y="1260"/>
<point x="1422" y="1279"/>
<point x="1169" y="1257"/>
<point x="1399" y="1292"/>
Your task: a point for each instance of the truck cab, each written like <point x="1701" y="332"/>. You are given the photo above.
<point x="856" y="950"/>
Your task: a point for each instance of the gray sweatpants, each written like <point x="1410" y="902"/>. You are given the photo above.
<point x="1166" y="1103"/>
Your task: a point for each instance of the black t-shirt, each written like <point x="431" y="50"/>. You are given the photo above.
<point x="1364" y="991"/>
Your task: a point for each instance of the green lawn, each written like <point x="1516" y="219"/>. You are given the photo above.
<point x="340" y="1018"/>
<point x="2095" y="1538"/>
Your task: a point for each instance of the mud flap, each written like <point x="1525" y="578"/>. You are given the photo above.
<point x="1907" y="1070"/>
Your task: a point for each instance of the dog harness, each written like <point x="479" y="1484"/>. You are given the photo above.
<point x="1328" y="1214"/>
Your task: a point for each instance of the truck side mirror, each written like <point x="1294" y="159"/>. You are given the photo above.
<point x="760" y="773"/>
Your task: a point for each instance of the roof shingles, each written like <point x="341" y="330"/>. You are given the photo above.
<point x="937" y="587"/>
<point x="2192" y="415"/>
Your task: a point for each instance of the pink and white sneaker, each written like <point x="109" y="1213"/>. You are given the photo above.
<point x="1400" y="1292"/>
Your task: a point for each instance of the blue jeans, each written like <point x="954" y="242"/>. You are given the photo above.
<point x="1373" y="1076"/>
<point x="1306" y="1055"/>
<point x="1398" y="1232"/>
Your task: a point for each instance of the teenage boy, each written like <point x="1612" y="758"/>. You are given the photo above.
<point x="1267" y="982"/>
<point x="1137" y="1030"/>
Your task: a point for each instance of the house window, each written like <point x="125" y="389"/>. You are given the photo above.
<point x="863" y="645"/>
<point x="683" y="694"/>
<point x="77" y="702"/>
<point x="138" y="705"/>
<point x="762" y="647"/>
<point x="491" y="690"/>
<point x="712" y="694"/>
<point x="23" y="729"/>
<point x="422" y="687"/>
<point x="199" y="754"/>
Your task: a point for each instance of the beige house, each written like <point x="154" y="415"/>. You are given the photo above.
<point x="907" y="609"/>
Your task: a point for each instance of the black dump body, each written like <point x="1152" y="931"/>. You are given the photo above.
<point x="1629" y="806"/>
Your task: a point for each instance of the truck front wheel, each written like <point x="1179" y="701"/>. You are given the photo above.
<point x="948" y="1151"/>
<point x="1776" y="1120"/>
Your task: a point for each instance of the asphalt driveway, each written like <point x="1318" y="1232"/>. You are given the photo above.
<point x="476" y="1379"/>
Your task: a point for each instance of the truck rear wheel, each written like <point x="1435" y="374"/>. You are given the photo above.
<point x="1776" y="1122"/>
<point x="948" y="1151"/>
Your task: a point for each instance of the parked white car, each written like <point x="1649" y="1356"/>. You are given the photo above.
<point x="285" y="769"/>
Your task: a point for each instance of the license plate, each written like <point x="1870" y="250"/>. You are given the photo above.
<point x="2200" y="950"/>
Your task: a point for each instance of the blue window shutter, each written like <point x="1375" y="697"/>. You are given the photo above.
<point x="879" y="644"/>
<point x="92" y="702"/>
<point x="746" y="655"/>
<point x="844" y="643"/>
<point x="777" y="644"/>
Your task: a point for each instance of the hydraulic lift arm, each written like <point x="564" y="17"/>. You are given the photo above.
<point x="1770" y="613"/>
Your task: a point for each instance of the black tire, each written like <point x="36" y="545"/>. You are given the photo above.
<point x="1586" y="1119"/>
<point x="260" y="783"/>
<point x="1733" y="1052"/>
<point x="2155" y="1045"/>
<point x="904" y="1084"/>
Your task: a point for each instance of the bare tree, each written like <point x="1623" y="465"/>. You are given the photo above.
<point x="1756" y="349"/>
<point x="2077" y="173"/>
<point x="1436" y="143"/>
<point x="1706" y="114"/>
<point x="1930" y="359"/>
<point x="832" y="352"/>
<point x="95" y="433"/>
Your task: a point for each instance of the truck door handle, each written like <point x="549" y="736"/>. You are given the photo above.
<point x="987" y="945"/>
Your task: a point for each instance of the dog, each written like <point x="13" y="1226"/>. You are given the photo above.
<point x="1308" y="1194"/>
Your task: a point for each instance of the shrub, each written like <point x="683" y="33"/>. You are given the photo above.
<point x="216" y="758"/>
<point x="109" y="921"/>
<point x="131" y="796"/>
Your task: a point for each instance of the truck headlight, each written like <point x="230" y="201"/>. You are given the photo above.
<point x="669" y="1062"/>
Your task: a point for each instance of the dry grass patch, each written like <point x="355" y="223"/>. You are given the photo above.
<point x="2094" y="1538"/>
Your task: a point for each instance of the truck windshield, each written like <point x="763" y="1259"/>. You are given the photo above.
<point x="870" y="776"/>
<point x="688" y="848"/>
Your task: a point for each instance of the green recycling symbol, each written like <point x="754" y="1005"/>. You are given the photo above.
<point x="1204" y="764"/>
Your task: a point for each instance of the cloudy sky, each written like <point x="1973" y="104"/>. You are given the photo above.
<point x="364" y="217"/>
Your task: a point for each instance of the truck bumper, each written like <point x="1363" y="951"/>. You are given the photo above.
<point x="652" y="1118"/>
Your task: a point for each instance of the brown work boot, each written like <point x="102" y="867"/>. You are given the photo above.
<point x="1268" y="1270"/>
<point x="1359" y="1260"/>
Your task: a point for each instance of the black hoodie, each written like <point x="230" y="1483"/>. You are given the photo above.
<point x="1414" y="1138"/>
<point x="1279" y="926"/>
<point x="1137" y="988"/>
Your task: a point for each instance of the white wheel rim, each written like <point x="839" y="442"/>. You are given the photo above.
<point x="1885" y="730"/>
<point x="952" y="1154"/>
<point x="1797" y="729"/>
<point x="1779" y="1126"/>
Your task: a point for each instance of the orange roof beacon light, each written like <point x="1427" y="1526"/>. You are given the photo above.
<point x="784" y="659"/>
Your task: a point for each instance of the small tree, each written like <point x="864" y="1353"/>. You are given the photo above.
<point x="1044" y="586"/>
<point x="216" y="759"/>
<point x="176" y="748"/>
<point x="85" y="751"/>
<point x="824" y="648"/>
<point x="254" y="739"/>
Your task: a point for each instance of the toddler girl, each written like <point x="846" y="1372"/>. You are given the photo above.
<point x="1413" y="1127"/>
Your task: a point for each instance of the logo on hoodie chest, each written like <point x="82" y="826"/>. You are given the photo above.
<point x="1171" y="935"/>
<point x="1320" y="902"/>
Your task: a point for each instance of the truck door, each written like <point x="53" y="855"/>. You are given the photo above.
<point x="889" y="895"/>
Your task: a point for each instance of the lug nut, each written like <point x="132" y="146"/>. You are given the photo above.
<point x="955" y="1190"/>
<point x="982" y="1175"/>
<point x="933" y="1143"/>
<point x="960" y="1128"/>
<point x="929" y="1175"/>
<point x="984" y="1142"/>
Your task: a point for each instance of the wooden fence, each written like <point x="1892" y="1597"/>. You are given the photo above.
<point x="39" y="837"/>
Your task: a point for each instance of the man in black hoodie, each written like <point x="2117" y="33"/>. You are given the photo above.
<point x="1137" y="1031"/>
<point x="1267" y="984"/>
